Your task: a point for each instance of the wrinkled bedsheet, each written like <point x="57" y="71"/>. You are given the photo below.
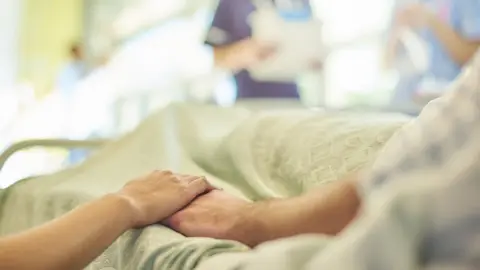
<point x="252" y="155"/>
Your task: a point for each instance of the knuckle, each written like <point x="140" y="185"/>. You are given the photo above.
<point x="162" y="172"/>
<point x="201" y="182"/>
<point x="161" y="175"/>
<point x="167" y="173"/>
<point x="154" y="174"/>
<point x="186" y="191"/>
<point x="175" y="178"/>
<point x="183" y="187"/>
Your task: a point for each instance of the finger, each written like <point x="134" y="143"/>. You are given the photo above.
<point x="261" y="46"/>
<point x="254" y="43"/>
<point x="212" y="187"/>
<point x="316" y="65"/>
<point x="200" y="186"/>
<point x="270" y="50"/>
<point x="266" y="53"/>
<point x="187" y="178"/>
<point x="161" y="173"/>
<point x="190" y="178"/>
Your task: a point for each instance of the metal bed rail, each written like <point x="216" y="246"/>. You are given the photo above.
<point x="48" y="143"/>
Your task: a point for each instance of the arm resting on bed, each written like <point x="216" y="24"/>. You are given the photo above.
<point x="70" y="242"/>
<point x="74" y="240"/>
<point x="326" y="210"/>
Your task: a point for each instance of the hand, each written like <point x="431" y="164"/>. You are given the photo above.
<point x="415" y="16"/>
<point x="217" y="215"/>
<point x="156" y="196"/>
<point x="248" y="52"/>
<point x="316" y="65"/>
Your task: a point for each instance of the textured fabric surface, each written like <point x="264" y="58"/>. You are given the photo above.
<point x="420" y="208"/>
<point x="256" y="156"/>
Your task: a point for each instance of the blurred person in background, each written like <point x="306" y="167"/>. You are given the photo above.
<point x="73" y="72"/>
<point x="450" y="29"/>
<point x="70" y="75"/>
<point x="234" y="50"/>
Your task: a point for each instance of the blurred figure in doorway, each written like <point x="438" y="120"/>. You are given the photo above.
<point x="69" y="77"/>
<point x="450" y="29"/>
<point x="73" y="72"/>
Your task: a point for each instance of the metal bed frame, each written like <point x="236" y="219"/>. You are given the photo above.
<point x="140" y="103"/>
<point x="48" y="143"/>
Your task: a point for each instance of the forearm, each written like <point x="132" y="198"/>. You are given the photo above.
<point x="70" y="242"/>
<point x="326" y="210"/>
<point x="459" y="48"/>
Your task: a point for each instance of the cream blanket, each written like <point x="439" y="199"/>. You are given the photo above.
<point x="255" y="156"/>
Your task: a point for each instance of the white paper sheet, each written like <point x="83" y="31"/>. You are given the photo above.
<point x="299" y="45"/>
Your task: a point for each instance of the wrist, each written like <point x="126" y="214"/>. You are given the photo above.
<point x="125" y="209"/>
<point x="326" y="210"/>
<point x="263" y="221"/>
<point x="250" y="226"/>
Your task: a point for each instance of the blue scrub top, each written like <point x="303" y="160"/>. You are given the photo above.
<point x="464" y="17"/>
<point x="70" y="76"/>
<point x="230" y="24"/>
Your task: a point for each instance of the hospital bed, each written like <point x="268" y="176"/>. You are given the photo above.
<point x="252" y="155"/>
<point x="141" y="112"/>
<point x="94" y="144"/>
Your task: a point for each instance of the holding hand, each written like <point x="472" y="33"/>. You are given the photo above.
<point x="218" y="215"/>
<point x="316" y="65"/>
<point x="77" y="238"/>
<point x="246" y="53"/>
<point x="158" y="195"/>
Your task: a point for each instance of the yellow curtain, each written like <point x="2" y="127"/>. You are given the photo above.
<point x="48" y="27"/>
